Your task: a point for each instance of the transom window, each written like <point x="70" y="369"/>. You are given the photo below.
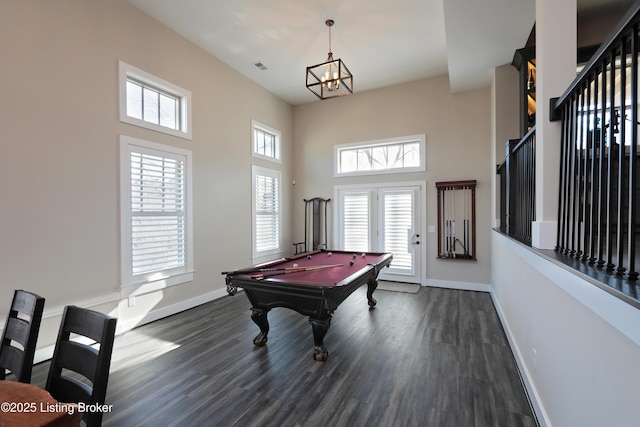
<point x="153" y="103"/>
<point x="386" y="156"/>
<point x="265" y="141"/>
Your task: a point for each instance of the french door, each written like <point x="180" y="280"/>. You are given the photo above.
<point x="385" y="219"/>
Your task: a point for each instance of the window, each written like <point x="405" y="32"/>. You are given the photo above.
<point x="265" y="141"/>
<point x="153" y="103"/>
<point x="386" y="156"/>
<point x="156" y="213"/>
<point x="266" y="212"/>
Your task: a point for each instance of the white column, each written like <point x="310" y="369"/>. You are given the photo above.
<point x="556" y="58"/>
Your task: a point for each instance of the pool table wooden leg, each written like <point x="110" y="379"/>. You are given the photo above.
<point x="320" y="328"/>
<point x="372" y="285"/>
<point x="259" y="316"/>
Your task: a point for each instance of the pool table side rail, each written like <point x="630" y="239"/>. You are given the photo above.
<point x="239" y="279"/>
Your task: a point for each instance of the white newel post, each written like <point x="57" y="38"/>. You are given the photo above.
<point x="556" y="58"/>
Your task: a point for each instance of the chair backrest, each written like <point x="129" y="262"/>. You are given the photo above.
<point x="79" y="370"/>
<point x="20" y="335"/>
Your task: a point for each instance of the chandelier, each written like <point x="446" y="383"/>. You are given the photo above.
<point x="331" y="78"/>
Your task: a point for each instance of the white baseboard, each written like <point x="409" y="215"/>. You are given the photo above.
<point x="46" y="353"/>
<point x="464" y="286"/>
<point x="169" y="310"/>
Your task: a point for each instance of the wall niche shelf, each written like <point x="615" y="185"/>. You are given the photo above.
<point x="457" y="220"/>
<point x="524" y="60"/>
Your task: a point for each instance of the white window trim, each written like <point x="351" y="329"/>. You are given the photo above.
<point x="131" y="285"/>
<point x="264" y="256"/>
<point x="421" y="139"/>
<point x="126" y="70"/>
<point x="257" y="125"/>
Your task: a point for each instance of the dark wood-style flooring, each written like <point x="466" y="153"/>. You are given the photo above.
<point x="435" y="358"/>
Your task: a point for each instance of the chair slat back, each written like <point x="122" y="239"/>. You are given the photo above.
<point x="20" y="335"/>
<point x="79" y="370"/>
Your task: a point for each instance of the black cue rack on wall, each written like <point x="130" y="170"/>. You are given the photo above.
<point x="315" y="225"/>
<point x="457" y="220"/>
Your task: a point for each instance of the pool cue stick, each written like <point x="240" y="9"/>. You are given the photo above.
<point x="445" y="214"/>
<point x="453" y="213"/>
<point x="446" y="220"/>
<point x="253" y="270"/>
<point x="466" y="220"/>
<point x="295" y="270"/>
<point x="266" y="270"/>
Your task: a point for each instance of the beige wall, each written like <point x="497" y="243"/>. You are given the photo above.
<point x="59" y="130"/>
<point x="60" y="138"/>
<point x="459" y="147"/>
<point x="505" y="122"/>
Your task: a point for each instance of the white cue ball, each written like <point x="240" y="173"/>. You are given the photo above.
<point x="295" y="265"/>
<point x="329" y="254"/>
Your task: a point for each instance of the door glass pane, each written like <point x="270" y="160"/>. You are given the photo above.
<point x="356" y="221"/>
<point x="398" y="228"/>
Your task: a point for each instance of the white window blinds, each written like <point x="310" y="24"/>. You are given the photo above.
<point x="156" y="223"/>
<point x="356" y="221"/>
<point x="266" y="191"/>
<point x="157" y="213"/>
<point x="398" y="225"/>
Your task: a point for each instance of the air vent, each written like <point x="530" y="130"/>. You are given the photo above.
<point x="260" y="65"/>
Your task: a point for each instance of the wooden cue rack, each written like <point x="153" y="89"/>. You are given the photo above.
<point x="457" y="219"/>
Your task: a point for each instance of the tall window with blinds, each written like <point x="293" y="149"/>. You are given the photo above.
<point x="266" y="212"/>
<point x="156" y="215"/>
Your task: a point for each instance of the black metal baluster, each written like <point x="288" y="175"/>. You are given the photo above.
<point x="532" y="185"/>
<point x="633" y="148"/>
<point x="593" y="181"/>
<point x="573" y="161"/>
<point x="511" y="186"/>
<point x="621" y="160"/>
<point x="589" y="178"/>
<point x="577" y="249"/>
<point x="584" y="166"/>
<point x="562" y="196"/>
<point x="611" y="165"/>
<point x="602" y="182"/>
<point x="570" y="148"/>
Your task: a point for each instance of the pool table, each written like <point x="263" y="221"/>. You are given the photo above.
<point x="314" y="284"/>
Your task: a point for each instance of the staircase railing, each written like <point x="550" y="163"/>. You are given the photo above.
<point x="517" y="187"/>
<point x="598" y="204"/>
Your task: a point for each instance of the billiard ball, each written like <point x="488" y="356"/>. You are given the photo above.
<point x="353" y="256"/>
<point x="363" y="254"/>
<point x="295" y="265"/>
<point x="308" y="256"/>
<point x="351" y="263"/>
<point x="329" y="254"/>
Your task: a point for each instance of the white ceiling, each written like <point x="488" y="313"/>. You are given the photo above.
<point x="382" y="42"/>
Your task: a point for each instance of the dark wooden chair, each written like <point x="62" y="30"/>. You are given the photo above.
<point x="79" y="371"/>
<point x="20" y="335"/>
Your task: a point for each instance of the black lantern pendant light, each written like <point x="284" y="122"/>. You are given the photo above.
<point x="331" y="78"/>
